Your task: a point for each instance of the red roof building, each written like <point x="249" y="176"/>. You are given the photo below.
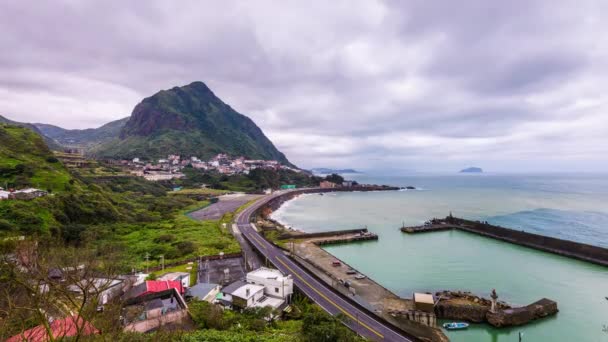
<point x="60" y="328"/>
<point x="154" y="286"/>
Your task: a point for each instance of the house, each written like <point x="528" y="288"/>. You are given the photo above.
<point x="105" y="289"/>
<point x="4" y="195"/>
<point x="241" y="294"/>
<point x="327" y="185"/>
<point x="153" y="286"/>
<point x="153" y="310"/>
<point x="59" y="328"/>
<point x="263" y="287"/>
<point x="27" y="194"/>
<point x="424" y="302"/>
<point x="347" y="184"/>
<point x="203" y="291"/>
<point x="183" y="277"/>
<point x="274" y="282"/>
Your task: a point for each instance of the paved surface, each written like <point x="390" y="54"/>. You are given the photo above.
<point x="214" y="271"/>
<point x="359" y="320"/>
<point x="226" y="204"/>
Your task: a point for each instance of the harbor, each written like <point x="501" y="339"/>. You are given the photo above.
<point x="453" y="259"/>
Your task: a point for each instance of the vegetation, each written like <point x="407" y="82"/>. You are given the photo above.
<point x="26" y="161"/>
<point x="257" y="180"/>
<point x="87" y="138"/>
<point x="190" y="121"/>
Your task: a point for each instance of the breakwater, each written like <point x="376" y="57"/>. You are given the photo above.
<point x="576" y="250"/>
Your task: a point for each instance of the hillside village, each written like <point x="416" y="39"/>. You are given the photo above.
<point x="171" y="167"/>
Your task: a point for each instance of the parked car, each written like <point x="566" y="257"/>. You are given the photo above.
<point x="336" y="264"/>
<point x="360" y="276"/>
<point x="351" y="271"/>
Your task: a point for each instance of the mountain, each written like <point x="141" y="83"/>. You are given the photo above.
<point x="87" y="138"/>
<point x="471" y="170"/>
<point x="50" y="142"/>
<point x="190" y="121"/>
<point x="25" y="160"/>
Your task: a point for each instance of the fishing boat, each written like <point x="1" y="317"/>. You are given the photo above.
<point x="455" y="325"/>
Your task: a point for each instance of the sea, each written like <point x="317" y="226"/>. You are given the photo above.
<point x="566" y="206"/>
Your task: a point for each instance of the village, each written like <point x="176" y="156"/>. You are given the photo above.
<point x="148" y="302"/>
<point x="172" y="166"/>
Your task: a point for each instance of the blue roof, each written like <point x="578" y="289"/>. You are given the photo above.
<point x="200" y="290"/>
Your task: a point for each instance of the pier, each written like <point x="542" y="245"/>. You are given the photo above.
<point x="571" y="249"/>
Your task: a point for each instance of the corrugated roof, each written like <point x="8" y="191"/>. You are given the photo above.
<point x="69" y="326"/>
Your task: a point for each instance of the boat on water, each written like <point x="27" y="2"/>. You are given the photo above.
<point x="455" y="325"/>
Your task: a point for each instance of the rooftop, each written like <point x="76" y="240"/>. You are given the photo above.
<point x="424" y="298"/>
<point x="266" y="273"/>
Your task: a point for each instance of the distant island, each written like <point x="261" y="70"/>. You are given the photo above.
<point x="326" y="171"/>
<point x="471" y="170"/>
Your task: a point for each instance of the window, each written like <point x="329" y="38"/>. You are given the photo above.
<point x="276" y="290"/>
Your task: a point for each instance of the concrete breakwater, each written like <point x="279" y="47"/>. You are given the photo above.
<point x="465" y="306"/>
<point x="576" y="250"/>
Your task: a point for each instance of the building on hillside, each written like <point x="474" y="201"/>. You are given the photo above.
<point x="153" y="310"/>
<point x="203" y="291"/>
<point x="104" y="289"/>
<point x="241" y="294"/>
<point x="4" y="194"/>
<point x="152" y="286"/>
<point x="347" y="184"/>
<point x="59" y="329"/>
<point x="327" y="185"/>
<point x="27" y="194"/>
<point x="183" y="277"/>
<point x="262" y="287"/>
<point x="274" y="282"/>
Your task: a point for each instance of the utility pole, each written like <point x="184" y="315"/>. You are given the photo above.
<point x="147" y="257"/>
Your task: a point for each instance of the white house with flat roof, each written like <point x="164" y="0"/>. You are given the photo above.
<point x="274" y="282"/>
<point x="184" y="277"/>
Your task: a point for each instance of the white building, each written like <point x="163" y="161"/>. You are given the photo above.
<point x="242" y="295"/>
<point x="274" y="282"/>
<point x="183" y="277"/>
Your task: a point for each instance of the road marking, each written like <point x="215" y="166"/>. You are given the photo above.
<point x="330" y="301"/>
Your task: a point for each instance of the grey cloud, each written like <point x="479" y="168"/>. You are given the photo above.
<point x="450" y="79"/>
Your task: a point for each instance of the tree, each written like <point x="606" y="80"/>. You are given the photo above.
<point x="40" y="281"/>
<point x="319" y="326"/>
<point x="335" y="178"/>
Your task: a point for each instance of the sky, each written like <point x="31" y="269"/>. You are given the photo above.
<point x="400" y="85"/>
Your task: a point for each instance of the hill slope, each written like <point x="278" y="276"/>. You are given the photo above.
<point x="52" y="144"/>
<point x="190" y="121"/>
<point x="83" y="137"/>
<point x="25" y="160"/>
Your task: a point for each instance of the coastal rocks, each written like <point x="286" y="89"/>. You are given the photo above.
<point x="463" y="305"/>
<point x="523" y="315"/>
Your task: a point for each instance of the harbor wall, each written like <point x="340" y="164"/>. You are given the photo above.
<point x="581" y="251"/>
<point x="577" y="250"/>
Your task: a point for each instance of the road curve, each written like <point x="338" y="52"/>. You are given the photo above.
<point x="360" y="321"/>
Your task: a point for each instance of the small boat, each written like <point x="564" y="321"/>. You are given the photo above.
<point x="455" y="325"/>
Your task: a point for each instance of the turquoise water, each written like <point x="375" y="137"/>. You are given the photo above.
<point x="565" y="206"/>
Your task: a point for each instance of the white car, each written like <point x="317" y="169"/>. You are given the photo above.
<point x="360" y="276"/>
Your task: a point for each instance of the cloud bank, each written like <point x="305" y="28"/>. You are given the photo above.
<point x="418" y="85"/>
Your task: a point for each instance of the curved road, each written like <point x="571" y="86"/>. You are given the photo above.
<point x="319" y="292"/>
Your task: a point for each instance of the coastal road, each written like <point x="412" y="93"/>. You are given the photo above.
<point x="358" y="320"/>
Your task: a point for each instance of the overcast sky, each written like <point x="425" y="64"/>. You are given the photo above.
<point x="417" y="85"/>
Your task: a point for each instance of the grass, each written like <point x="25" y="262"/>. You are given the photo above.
<point x="177" y="239"/>
<point x="205" y="191"/>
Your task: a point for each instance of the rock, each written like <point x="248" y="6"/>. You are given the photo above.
<point x="470" y="313"/>
<point x="522" y="315"/>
